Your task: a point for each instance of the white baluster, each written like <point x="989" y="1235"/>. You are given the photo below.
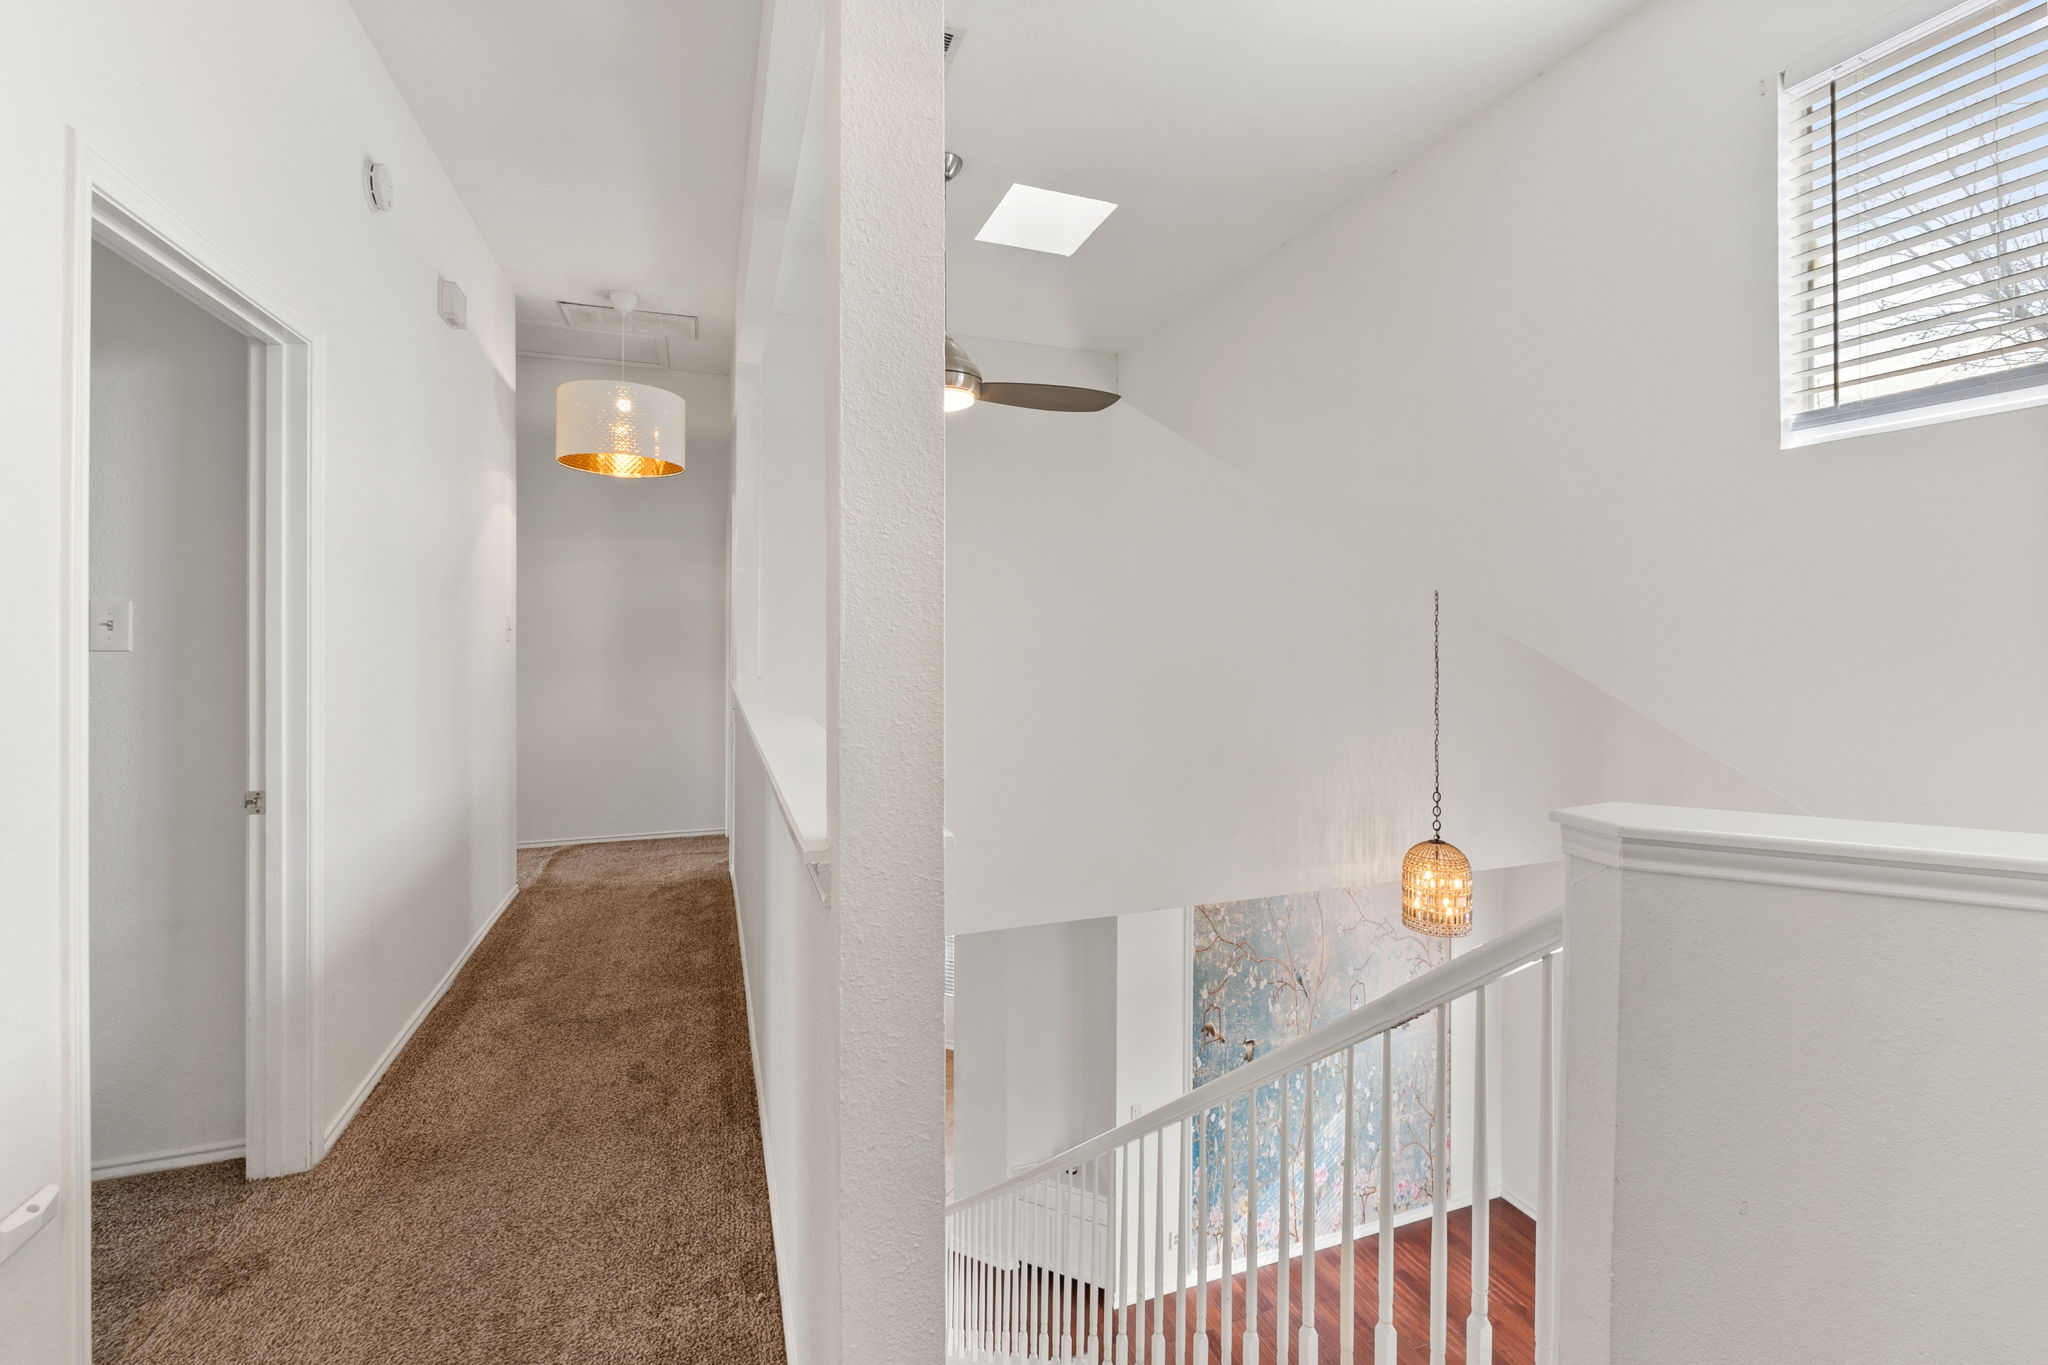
<point x="1311" y="1345"/>
<point x="1479" y="1327"/>
<point x="1158" y="1356"/>
<point x="1087" y="1180"/>
<point x="1008" y="1215"/>
<point x="1548" y="1066"/>
<point x="1251" y="1229"/>
<point x="1184" y="1186"/>
<point x="1202" y="1188"/>
<point x="1439" y="1187"/>
<point x="1034" y="1286"/>
<point x="1123" y="1255"/>
<point x="1063" y="1312"/>
<point x="1044" y="1224"/>
<point x="1347" y="1265"/>
<point x="1386" y="1342"/>
<point x="1227" y="1275"/>
<point x="1071" y="1236"/>
<point x="1281" y="1334"/>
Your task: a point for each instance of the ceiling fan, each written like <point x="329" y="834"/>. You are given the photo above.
<point x="965" y="387"/>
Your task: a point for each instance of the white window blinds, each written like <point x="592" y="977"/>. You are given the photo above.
<point x="1919" y="219"/>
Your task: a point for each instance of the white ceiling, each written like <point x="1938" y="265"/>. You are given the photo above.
<point x="1220" y="127"/>
<point x="600" y="145"/>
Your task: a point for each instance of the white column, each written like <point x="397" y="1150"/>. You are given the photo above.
<point x="885" y="665"/>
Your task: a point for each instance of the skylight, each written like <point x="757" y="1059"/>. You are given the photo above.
<point x="1044" y="220"/>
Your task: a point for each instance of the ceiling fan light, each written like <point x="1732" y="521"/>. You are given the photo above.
<point x="963" y="379"/>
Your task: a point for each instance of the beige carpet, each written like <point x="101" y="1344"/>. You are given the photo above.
<point x="563" y="1167"/>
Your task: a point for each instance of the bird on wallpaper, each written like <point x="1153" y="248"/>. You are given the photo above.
<point x="1251" y="1048"/>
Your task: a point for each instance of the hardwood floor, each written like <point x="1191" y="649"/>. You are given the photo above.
<point x="1512" y="1306"/>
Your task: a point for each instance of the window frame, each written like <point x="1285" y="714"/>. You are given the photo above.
<point x="1953" y="400"/>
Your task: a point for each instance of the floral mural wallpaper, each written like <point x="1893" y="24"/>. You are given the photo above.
<point x="1270" y="970"/>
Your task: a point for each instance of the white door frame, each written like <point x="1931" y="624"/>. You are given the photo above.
<point x="282" y="1022"/>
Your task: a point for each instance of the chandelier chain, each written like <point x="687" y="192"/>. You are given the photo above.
<point x="1436" y="644"/>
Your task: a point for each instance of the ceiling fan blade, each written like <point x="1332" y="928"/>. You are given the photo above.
<point x="1047" y="397"/>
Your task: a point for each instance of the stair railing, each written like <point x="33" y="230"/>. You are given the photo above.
<point x="1119" y="1250"/>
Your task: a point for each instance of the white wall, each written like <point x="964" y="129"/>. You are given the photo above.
<point x="622" y="601"/>
<point x="170" y="721"/>
<point x="1168" y="685"/>
<point x="1559" y="326"/>
<point x="792" y="1006"/>
<point x="413" y="673"/>
<point x="1154" y="999"/>
<point x="790" y="491"/>
<point x="1805" y="1091"/>
<point x="1035" y="1045"/>
<point x="1503" y="900"/>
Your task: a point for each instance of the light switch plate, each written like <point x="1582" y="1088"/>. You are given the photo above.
<point x="113" y="624"/>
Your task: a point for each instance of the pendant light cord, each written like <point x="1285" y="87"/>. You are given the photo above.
<point x="1437" y="710"/>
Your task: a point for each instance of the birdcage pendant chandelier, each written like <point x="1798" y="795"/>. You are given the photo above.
<point x="1436" y="878"/>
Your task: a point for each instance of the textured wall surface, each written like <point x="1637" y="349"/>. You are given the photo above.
<point x="885" y="665"/>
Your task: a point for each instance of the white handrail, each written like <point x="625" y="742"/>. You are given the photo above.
<point x="1492" y="960"/>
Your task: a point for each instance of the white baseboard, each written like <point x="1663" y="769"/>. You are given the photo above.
<point x="342" y="1120"/>
<point x="619" y="838"/>
<point x="168" y="1161"/>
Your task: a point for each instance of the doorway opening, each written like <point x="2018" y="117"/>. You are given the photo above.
<point x="190" y="1038"/>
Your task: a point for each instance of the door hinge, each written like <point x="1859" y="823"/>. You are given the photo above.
<point x="252" y="802"/>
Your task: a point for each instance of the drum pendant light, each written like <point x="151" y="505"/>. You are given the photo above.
<point x="1436" y="879"/>
<point x="621" y="430"/>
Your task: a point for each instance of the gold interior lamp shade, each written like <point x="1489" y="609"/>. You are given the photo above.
<point x="625" y="431"/>
<point x="1436" y="890"/>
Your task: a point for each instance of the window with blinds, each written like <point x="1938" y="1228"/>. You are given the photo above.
<point x="1919" y="220"/>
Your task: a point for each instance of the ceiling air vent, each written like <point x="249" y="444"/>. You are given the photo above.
<point x="952" y="44"/>
<point x="598" y="317"/>
<point x="590" y="331"/>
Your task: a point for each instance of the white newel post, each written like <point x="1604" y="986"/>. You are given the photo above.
<point x="885" y="653"/>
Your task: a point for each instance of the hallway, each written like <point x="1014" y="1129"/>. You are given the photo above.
<point x="564" y="1165"/>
